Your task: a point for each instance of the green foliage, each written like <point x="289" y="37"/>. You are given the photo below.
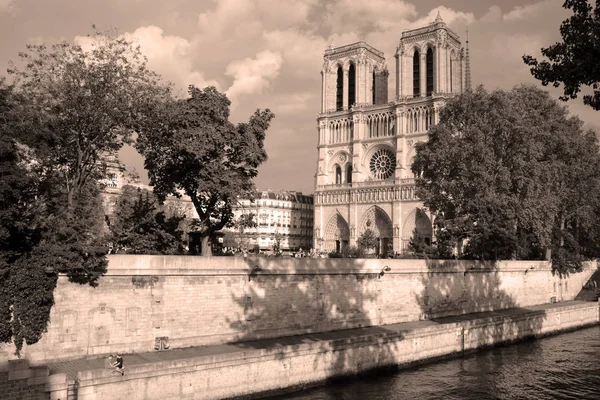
<point x="420" y="247"/>
<point x="353" y="252"/>
<point x="65" y="110"/>
<point x="509" y="172"/>
<point x="367" y="240"/>
<point x="196" y="150"/>
<point x="574" y="61"/>
<point x="85" y="104"/>
<point x="140" y="226"/>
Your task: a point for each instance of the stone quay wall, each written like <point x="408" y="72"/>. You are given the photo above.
<point x="147" y="302"/>
<point x="260" y="371"/>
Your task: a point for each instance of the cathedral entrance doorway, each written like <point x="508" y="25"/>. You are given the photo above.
<point x="337" y="234"/>
<point x="417" y="223"/>
<point x="380" y="223"/>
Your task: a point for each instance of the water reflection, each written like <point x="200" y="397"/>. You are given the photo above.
<point x="559" y="367"/>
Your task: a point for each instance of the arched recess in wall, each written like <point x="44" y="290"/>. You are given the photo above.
<point x="417" y="222"/>
<point x="339" y="89"/>
<point x="373" y="86"/>
<point x="416" y="73"/>
<point x="338" y="160"/>
<point x="349" y="173"/>
<point x="351" y="85"/>
<point x="378" y="221"/>
<point x="429" y="71"/>
<point x="410" y="157"/>
<point x="452" y="81"/>
<point x="337" y="234"/>
<point x="338" y="174"/>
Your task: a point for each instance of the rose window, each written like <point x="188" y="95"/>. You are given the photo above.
<point x="382" y="164"/>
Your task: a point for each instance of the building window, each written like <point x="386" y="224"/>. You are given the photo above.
<point x="373" y="87"/>
<point x="429" y="70"/>
<point x="339" y="96"/>
<point x="338" y="175"/>
<point x="451" y="61"/>
<point x="113" y="181"/>
<point x="351" y="85"/>
<point x="349" y="174"/>
<point x="416" y="74"/>
<point x="382" y="164"/>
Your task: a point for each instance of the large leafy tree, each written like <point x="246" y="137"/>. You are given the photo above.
<point x="87" y="101"/>
<point x="140" y="225"/>
<point x="574" y="61"/>
<point x="64" y="110"/>
<point x="198" y="152"/>
<point x="511" y="174"/>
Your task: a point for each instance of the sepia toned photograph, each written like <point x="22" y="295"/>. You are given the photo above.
<point x="299" y="199"/>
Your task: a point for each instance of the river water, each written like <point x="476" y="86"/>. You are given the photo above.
<point x="566" y="366"/>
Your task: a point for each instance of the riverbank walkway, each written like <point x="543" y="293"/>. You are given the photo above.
<point x="218" y="352"/>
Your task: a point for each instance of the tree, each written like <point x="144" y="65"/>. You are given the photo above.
<point x="511" y="173"/>
<point x="88" y="103"/>
<point x="196" y="151"/>
<point x="367" y="240"/>
<point x="65" y="109"/>
<point x="420" y="247"/>
<point x="574" y="61"/>
<point x="235" y="238"/>
<point x="140" y="226"/>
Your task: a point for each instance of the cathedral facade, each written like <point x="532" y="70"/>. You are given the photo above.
<point x="366" y="143"/>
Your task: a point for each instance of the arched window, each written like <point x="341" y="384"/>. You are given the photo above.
<point x="451" y="61"/>
<point x="373" y="87"/>
<point x="351" y="85"/>
<point x="338" y="175"/>
<point x="349" y="173"/>
<point x="429" y="70"/>
<point x="339" y="94"/>
<point x="416" y="74"/>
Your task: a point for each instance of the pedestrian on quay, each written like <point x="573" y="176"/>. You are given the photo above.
<point x="118" y="364"/>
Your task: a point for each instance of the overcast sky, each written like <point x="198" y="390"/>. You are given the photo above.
<point x="269" y="53"/>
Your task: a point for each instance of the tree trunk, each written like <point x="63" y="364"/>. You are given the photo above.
<point x="206" y="247"/>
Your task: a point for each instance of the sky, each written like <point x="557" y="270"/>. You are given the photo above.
<point x="269" y="53"/>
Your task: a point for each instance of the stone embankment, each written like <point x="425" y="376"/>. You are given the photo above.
<point x="293" y="322"/>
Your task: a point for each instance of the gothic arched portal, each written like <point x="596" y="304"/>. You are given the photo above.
<point x="379" y="222"/>
<point x="337" y="234"/>
<point x="417" y="222"/>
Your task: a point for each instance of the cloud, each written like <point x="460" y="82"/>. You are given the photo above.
<point x="449" y="16"/>
<point x="7" y="6"/>
<point x="170" y="56"/>
<point x="302" y="52"/>
<point x="293" y="103"/>
<point x="531" y="10"/>
<point x="352" y="15"/>
<point x="253" y="75"/>
<point x="233" y="18"/>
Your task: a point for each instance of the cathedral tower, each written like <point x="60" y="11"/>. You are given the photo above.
<point x="366" y="143"/>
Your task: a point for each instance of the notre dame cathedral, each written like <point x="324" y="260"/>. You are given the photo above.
<point x="366" y="142"/>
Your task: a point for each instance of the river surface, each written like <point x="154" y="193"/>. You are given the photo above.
<point x="566" y="366"/>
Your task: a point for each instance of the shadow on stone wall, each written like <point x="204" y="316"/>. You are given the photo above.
<point x="453" y="289"/>
<point x="337" y="296"/>
<point x="591" y="289"/>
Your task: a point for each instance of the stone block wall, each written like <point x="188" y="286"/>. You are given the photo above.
<point x="256" y="370"/>
<point x="148" y="302"/>
<point x="19" y="381"/>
